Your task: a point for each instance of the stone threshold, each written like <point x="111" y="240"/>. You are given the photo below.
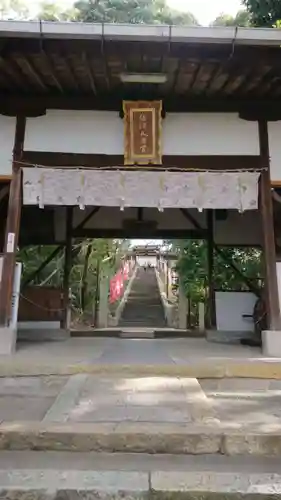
<point x="201" y="368"/>
<point x="57" y="476"/>
<point x="129" y="437"/>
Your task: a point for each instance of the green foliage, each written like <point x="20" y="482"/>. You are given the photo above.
<point x="131" y="11"/>
<point x="242" y="18"/>
<point x="88" y="257"/>
<point x="192" y="267"/>
<point x="264" y="12"/>
<point x="13" y="9"/>
<point x="52" y="11"/>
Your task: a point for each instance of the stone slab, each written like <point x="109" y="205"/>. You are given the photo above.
<point x="59" y="411"/>
<point x="24" y="408"/>
<point x="8" y="339"/>
<point x="201" y="485"/>
<point x="55" y="478"/>
<point x="137" y="462"/>
<point x="271" y="343"/>
<point x="48" y="386"/>
<point x="134" y="438"/>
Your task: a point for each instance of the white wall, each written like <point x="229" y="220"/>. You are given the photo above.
<point x="102" y="132"/>
<point x="7" y="138"/>
<point x="230" y="307"/>
<point x="274" y="138"/>
<point x="209" y="134"/>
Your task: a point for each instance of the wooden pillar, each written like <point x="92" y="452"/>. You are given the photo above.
<point x="12" y="225"/>
<point x="210" y="270"/>
<point x="269" y="252"/>
<point x="67" y="265"/>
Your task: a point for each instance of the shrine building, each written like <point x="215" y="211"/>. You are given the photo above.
<point x="135" y="131"/>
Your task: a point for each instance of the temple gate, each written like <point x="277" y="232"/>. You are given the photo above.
<point x="113" y="138"/>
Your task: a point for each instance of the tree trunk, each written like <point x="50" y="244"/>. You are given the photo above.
<point x="84" y="283"/>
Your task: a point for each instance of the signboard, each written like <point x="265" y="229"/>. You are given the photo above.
<point x="143" y="121"/>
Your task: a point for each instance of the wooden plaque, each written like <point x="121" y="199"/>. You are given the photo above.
<point x="143" y="127"/>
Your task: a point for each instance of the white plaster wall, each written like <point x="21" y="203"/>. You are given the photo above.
<point x="7" y="137"/>
<point x="274" y="138"/>
<point x="100" y="132"/>
<point x="209" y="134"/>
<point x="230" y="307"/>
<point x="86" y="132"/>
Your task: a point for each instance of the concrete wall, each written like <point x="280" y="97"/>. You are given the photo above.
<point x="230" y="308"/>
<point x="7" y="138"/>
<point x="102" y="132"/>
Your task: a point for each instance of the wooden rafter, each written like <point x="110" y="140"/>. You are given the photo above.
<point x="90" y="73"/>
<point x="35" y="74"/>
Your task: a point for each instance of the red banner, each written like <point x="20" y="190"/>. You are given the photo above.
<point x="126" y="271"/>
<point x="116" y="287"/>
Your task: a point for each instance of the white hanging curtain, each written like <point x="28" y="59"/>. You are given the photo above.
<point x="202" y="190"/>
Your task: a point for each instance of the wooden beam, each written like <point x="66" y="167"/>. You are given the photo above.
<point x="67" y="265"/>
<point x="14" y="102"/>
<point x="271" y="285"/>
<point x="12" y="226"/>
<point x="139" y="233"/>
<point x="210" y="269"/>
<point x="207" y="162"/>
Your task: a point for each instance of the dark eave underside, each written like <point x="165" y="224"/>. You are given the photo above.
<point x="84" y="74"/>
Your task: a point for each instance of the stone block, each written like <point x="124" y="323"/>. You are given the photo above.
<point x="8" y="339"/>
<point x="271" y="343"/>
<point x="258" y="444"/>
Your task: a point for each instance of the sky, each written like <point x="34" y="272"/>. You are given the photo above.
<point x="204" y="10"/>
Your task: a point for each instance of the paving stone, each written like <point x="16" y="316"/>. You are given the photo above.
<point x="196" y="482"/>
<point x="129" y="413"/>
<point x="134" y="438"/>
<point x="24" y="408"/>
<point x="75" y="484"/>
<point x="66" y="400"/>
<point x="32" y="386"/>
<point x="258" y="444"/>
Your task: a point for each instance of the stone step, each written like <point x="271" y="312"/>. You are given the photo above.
<point x="144" y="306"/>
<point x="134" y="333"/>
<point x="54" y="476"/>
<point x="141" y="437"/>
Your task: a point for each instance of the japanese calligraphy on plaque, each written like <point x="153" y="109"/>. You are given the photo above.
<point x="143" y="122"/>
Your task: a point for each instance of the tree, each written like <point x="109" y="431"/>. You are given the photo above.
<point x="242" y="18"/>
<point x="13" y="9"/>
<point x="52" y="11"/>
<point x="131" y="11"/>
<point x="264" y="12"/>
<point x="192" y="267"/>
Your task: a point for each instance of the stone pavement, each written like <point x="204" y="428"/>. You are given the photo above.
<point x="80" y="398"/>
<point x="176" y="357"/>
<point x="152" y="414"/>
<point x="57" y="476"/>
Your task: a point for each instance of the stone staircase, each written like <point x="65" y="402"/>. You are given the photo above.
<point x="144" y="307"/>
